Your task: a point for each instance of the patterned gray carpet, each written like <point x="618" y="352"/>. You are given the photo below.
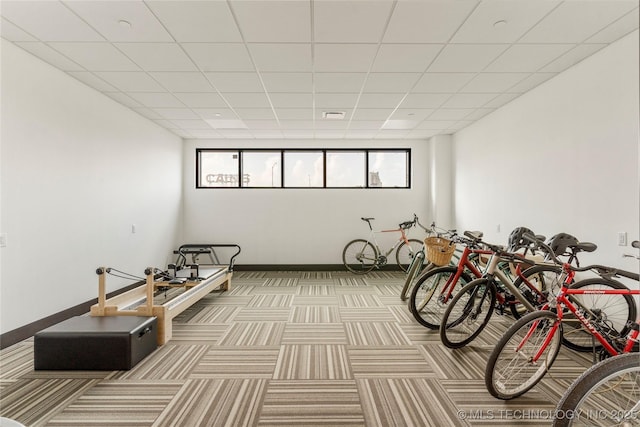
<point x="288" y="349"/>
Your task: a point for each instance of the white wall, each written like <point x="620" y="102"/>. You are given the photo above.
<point x="78" y="170"/>
<point x="561" y="158"/>
<point x="299" y="226"/>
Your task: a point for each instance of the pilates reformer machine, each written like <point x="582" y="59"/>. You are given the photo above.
<point x="186" y="274"/>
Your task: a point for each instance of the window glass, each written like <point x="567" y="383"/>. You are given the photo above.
<point x="219" y="169"/>
<point x="346" y="169"/>
<point x="388" y="169"/>
<point x="303" y="169"/>
<point x="261" y="169"/>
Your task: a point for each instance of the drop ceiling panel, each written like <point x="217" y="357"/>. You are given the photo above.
<point x="427" y="21"/>
<point x="147" y="112"/>
<point x="338" y="82"/>
<point x="380" y="100"/>
<point x="255" y="113"/>
<point x="48" y="21"/>
<point x="291" y="100"/>
<point x="425" y="100"/>
<point x="247" y="100"/>
<point x="176" y="81"/>
<point x="201" y="100"/>
<point x="493" y="82"/>
<point x="157" y="56"/>
<point x="273" y="21"/>
<point x="235" y="82"/>
<point x="219" y="56"/>
<point x="405" y="57"/>
<point x="442" y="82"/>
<point x="296" y="124"/>
<point x="130" y="81"/>
<point x="350" y="21"/>
<point x="156" y="99"/>
<point x="528" y="57"/>
<point x="262" y="124"/>
<point x="415" y="114"/>
<point x="176" y="113"/>
<point x="281" y="57"/>
<point x="436" y="124"/>
<point x="575" y="21"/>
<point x="333" y="101"/>
<point x="344" y="57"/>
<point x="365" y="124"/>
<point x="530" y="82"/>
<point x="451" y="113"/>
<point x="53" y="57"/>
<point x="14" y="33"/>
<point x="516" y="19"/>
<point x="617" y="29"/>
<point x="93" y="81"/>
<point x="288" y="82"/>
<point x="197" y="21"/>
<point x="110" y="19"/>
<point x="390" y="82"/>
<point x="215" y="113"/>
<point x="466" y="57"/>
<point x="468" y="100"/>
<point x="501" y="100"/>
<point x="572" y="57"/>
<point x="96" y="56"/>
<point x="372" y="114"/>
<point x="294" y="113"/>
<point x="191" y="124"/>
<point x="123" y="99"/>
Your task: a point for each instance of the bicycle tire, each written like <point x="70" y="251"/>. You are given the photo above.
<point x="604" y="395"/>
<point x="406" y="252"/>
<point x="414" y="270"/>
<point x="617" y="310"/>
<point x="499" y="380"/>
<point x="359" y="256"/>
<point x="545" y="283"/>
<point x="463" y="320"/>
<point x="426" y="309"/>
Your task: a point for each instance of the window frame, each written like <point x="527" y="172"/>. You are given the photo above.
<point x="283" y="185"/>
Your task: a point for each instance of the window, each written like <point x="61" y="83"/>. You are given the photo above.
<point x="303" y="168"/>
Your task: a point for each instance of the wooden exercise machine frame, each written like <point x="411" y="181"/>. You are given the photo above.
<point x="139" y="301"/>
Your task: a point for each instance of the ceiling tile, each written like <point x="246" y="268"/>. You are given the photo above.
<point x="372" y="114"/>
<point x="288" y="82"/>
<point x="219" y="56"/>
<point x="436" y="124"/>
<point x="291" y="100"/>
<point x="191" y="124"/>
<point x="517" y="17"/>
<point x="414" y="114"/>
<point x="92" y="80"/>
<point x="575" y="21"/>
<point x="13" y="33"/>
<point x="235" y="82"/>
<point x="156" y="99"/>
<point x="360" y="134"/>
<point x="442" y="82"/>
<point x="451" y="113"/>
<point x="219" y="113"/>
<point x="479" y="113"/>
<point x="501" y="100"/>
<point x="343" y="57"/>
<point x="294" y="113"/>
<point x="255" y="113"/>
<point x="617" y="29"/>
<point x="379" y="100"/>
<point x="425" y="100"/>
<point x="466" y="57"/>
<point x="273" y="21"/>
<point x="148" y="113"/>
<point x="176" y="113"/>
<point x="281" y="57"/>
<point x="422" y="133"/>
<point x="329" y="134"/>
<point x="350" y="21"/>
<point x="426" y="21"/>
<point x="247" y="100"/>
<point x="493" y="82"/>
<point x="335" y="100"/>
<point x="158" y="56"/>
<point x="365" y="124"/>
<point x="530" y="82"/>
<point x="96" y="56"/>
<point x="298" y="134"/>
<point x="330" y="124"/>
<point x="197" y="21"/>
<point x="296" y="124"/>
<point x="338" y="82"/>
<point x="399" y="124"/>
<point x="107" y="16"/>
<point x="527" y="57"/>
<point x="391" y="134"/>
<point x="405" y="57"/>
<point x="183" y="81"/>
<point x="572" y="57"/>
<point x="131" y="81"/>
<point x="262" y="124"/>
<point x="47" y="54"/>
<point x="167" y="124"/>
<point x="123" y="99"/>
<point x="205" y="133"/>
<point x="48" y="21"/>
<point x="390" y="82"/>
<point x="270" y="134"/>
<point x="201" y="100"/>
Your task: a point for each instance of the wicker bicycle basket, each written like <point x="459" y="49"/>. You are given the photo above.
<point x="439" y="250"/>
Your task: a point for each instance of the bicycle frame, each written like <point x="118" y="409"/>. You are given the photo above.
<point x="447" y="289"/>
<point x="402" y="239"/>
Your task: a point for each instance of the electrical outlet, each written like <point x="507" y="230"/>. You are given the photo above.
<point x="622" y="238"/>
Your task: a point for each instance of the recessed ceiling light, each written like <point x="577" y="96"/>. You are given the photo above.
<point x="500" y="24"/>
<point x="124" y="24"/>
<point x="333" y="115"/>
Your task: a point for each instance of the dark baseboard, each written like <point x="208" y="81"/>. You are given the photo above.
<point x="22" y="333"/>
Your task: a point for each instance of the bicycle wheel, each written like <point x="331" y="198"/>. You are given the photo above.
<point x="429" y="296"/>
<point x="545" y="278"/>
<point x="510" y="371"/>
<point x="359" y="256"/>
<point x="406" y="252"/>
<point x="468" y="313"/>
<point x="607" y="394"/>
<point x="610" y="314"/>
<point x="414" y="270"/>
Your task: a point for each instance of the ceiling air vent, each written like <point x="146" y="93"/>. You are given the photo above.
<point x="333" y="115"/>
